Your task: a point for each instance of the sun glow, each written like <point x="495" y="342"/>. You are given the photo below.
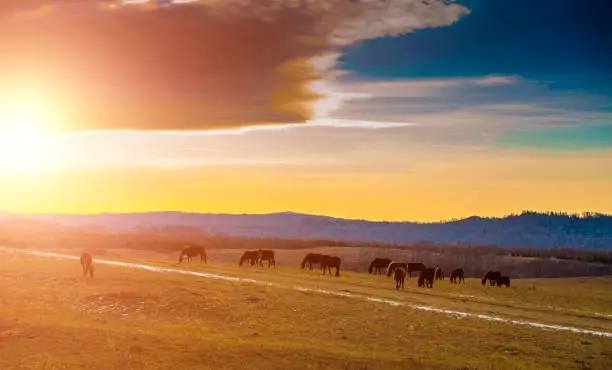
<point x="24" y="140"/>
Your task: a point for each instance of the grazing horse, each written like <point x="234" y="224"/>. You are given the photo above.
<point x="266" y="255"/>
<point x="415" y="267"/>
<point x="426" y="278"/>
<point x="394" y="265"/>
<point x="399" y="275"/>
<point x="457" y="276"/>
<point x="313" y="258"/>
<point x="87" y="264"/>
<point x="438" y="273"/>
<point x="329" y="262"/>
<point x="193" y="251"/>
<point x="492" y="276"/>
<point x="251" y="256"/>
<point x="379" y="265"/>
<point x="503" y="280"/>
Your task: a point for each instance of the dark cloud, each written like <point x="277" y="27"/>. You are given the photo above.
<point x="210" y="64"/>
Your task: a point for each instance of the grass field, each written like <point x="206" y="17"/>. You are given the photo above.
<point x="51" y="318"/>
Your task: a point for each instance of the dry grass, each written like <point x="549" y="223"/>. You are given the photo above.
<point x="51" y="318"/>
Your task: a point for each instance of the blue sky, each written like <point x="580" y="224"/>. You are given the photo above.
<point x="557" y="53"/>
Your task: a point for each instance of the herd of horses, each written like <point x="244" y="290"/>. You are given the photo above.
<point x="380" y="266"/>
<point x="427" y="275"/>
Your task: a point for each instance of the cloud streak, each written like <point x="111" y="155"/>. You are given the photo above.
<point x="187" y="66"/>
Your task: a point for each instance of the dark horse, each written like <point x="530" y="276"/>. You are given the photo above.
<point x="395" y="265"/>
<point x="415" y="267"/>
<point x="457" y="276"/>
<point x="87" y="264"/>
<point x="251" y="256"/>
<point x="330" y="262"/>
<point x="379" y="265"/>
<point x="438" y="273"/>
<point x="426" y="278"/>
<point x="399" y="275"/>
<point x="266" y="255"/>
<point x="492" y="276"/>
<point x="193" y="251"/>
<point x="313" y="259"/>
<point x="503" y="280"/>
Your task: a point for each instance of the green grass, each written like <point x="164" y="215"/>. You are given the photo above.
<point x="51" y="318"/>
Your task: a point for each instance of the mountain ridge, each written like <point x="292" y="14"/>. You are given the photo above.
<point x="527" y="229"/>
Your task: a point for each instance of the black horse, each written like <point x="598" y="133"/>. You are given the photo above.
<point x="379" y="265"/>
<point x="313" y="259"/>
<point x="399" y="275"/>
<point x="267" y="255"/>
<point x="492" y="276"/>
<point x="193" y="251"/>
<point x="251" y="256"/>
<point x="330" y="262"/>
<point x="503" y="280"/>
<point x="426" y="278"/>
<point x="457" y="276"/>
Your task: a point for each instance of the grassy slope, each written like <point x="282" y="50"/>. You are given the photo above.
<point x="51" y="318"/>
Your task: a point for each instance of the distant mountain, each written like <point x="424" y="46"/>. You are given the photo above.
<point x="529" y="229"/>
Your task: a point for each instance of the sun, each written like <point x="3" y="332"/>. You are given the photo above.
<point x="24" y="144"/>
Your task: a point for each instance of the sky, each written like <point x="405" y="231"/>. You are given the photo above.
<point x="373" y="109"/>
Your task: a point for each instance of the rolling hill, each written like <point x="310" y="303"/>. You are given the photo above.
<point x="529" y="229"/>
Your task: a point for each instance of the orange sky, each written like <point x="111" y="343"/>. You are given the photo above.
<point x="438" y="189"/>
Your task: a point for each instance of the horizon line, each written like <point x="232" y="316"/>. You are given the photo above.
<point x="584" y="214"/>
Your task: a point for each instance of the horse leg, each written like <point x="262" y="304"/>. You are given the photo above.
<point x="337" y="271"/>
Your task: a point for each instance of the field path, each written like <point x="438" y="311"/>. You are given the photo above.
<point x="339" y="293"/>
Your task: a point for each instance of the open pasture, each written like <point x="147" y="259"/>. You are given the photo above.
<point x="50" y="317"/>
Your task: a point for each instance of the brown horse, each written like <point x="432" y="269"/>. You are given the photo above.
<point x="426" y="278"/>
<point x="395" y="265"/>
<point x="313" y="259"/>
<point x="87" y="264"/>
<point x="457" y="276"/>
<point x="492" y="276"/>
<point x="438" y="273"/>
<point x="330" y="262"/>
<point x="399" y="275"/>
<point x="266" y="255"/>
<point x="379" y="265"/>
<point x="251" y="256"/>
<point x="415" y="267"/>
<point x="503" y="280"/>
<point x="193" y="251"/>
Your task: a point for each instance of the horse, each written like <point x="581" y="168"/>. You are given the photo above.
<point x="313" y="258"/>
<point x="266" y="255"/>
<point x="328" y="262"/>
<point x="492" y="276"/>
<point x="399" y="275"/>
<point x="503" y="280"/>
<point x="193" y="251"/>
<point x="394" y="265"/>
<point x="438" y="273"/>
<point x="415" y="267"/>
<point x="379" y="265"/>
<point x="457" y="276"/>
<point x="87" y="264"/>
<point x="251" y="256"/>
<point x="426" y="278"/>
